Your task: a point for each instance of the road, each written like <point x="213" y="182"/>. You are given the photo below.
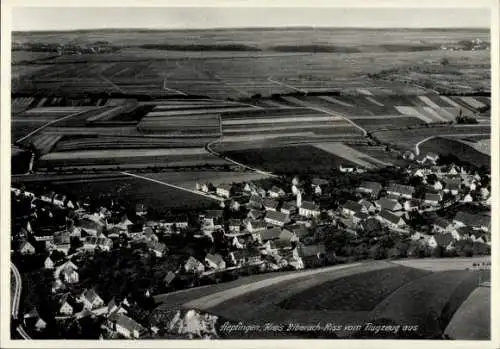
<point x="270" y="79"/>
<point x="16" y="297"/>
<point x="197" y="192"/>
<point x="321" y="110"/>
<point x="208" y="147"/>
<point x="52" y="123"/>
<point x="417" y="146"/>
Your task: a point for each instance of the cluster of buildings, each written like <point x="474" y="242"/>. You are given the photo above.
<point x="264" y="229"/>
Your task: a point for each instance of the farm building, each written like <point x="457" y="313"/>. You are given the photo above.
<point x="289" y="208"/>
<point x="475" y="221"/>
<point x="256" y="226"/>
<point x="246" y="257"/>
<point x="388" y="204"/>
<point x="193" y="265"/>
<point x="432" y="199"/>
<point x="399" y="190"/>
<point x="372" y="188"/>
<point x="392" y="220"/>
<point x="234" y="225"/>
<point x="309" y="209"/>
<point x="224" y="190"/>
<point x="276" y="192"/>
<point x="93" y="242"/>
<point x="270" y="204"/>
<point x="350" y="208"/>
<point x="125" y="326"/>
<point x="276" y="218"/>
<point x="215" y="261"/>
<point x="26" y="248"/>
<point x="91" y="299"/>
<point x="255" y="214"/>
<point x="270" y="234"/>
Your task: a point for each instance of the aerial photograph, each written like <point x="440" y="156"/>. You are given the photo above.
<point x="250" y="173"/>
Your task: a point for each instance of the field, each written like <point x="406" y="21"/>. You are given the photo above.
<point x="482" y="145"/>
<point x="408" y="138"/>
<point x="299" y="159"/>
<point x="242" y="63"/>
<point x="394" y="295"/>
<point x="462" y="150"/>
<point x="29" y="56"/>
<point x="134" y="190"/>
<point x="351" y="154"/>
<point x="172" y="157"/>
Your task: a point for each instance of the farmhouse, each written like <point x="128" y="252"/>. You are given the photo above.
<point x="432" y="199"/>
<point x="367" y="205"/>
<point x="91" y="299"/>
<point x="445" y="241"/>
<point x="411" y="205"/>
<point x="387" y="204"/>
<point x="289" y="207"/>
<point x="215" y="261"/>
<point x="270" y="234"/>
<point x="234" y="225"/>
<point x="66" y="304"/>
<point x="318" y="184"/>
<point x="255" y="214"/>
<point x="48" y="263"/>
<point x="276" y="218"/>
<point x="372" y="188"/>
<point x="205" y="187"/>
<point x="224" y="190"/>
<point x="26" y="248"/>
<point x="158" y="248"/>
<point x="350" y="208"/>
<point x="404" y="191"/>
<point x="255" y="202"/>
<point x="212" y="219"/>
<point x="309" y="209"/>
<point x="441" y="225"/>
<point x="92" y="243"/>
<point x="256" y="226"/>
<point x="276" y="192"/>
<point x="392" y="220"/>
<point x="475" y="221"/>
<point x="61" y="241"/>
<point x="452" y="186"/>
<point x="125" y="326"/>
<point x="70" y="275"/>
<point x="193" y="265"/>
<point x="246" y="257"/>
<point x="360" y="217"/>
<point x="270" y="204"/>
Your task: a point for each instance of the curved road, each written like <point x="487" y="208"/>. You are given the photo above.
<point x="16" y="299"/>
<point x="417" y="146"/>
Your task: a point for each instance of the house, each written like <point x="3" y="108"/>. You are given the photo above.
<point x="256" y="226"/>
<point x="437" y="185"/>
<point x="246" y="257"/>
<point x="26" y="248"/>
<point x="61" y="241"/>
<point x="255" y="202"/>
<point x="351" y="207"/>
<point x="158" y="248"/>
<point x="400" y="190"/>
<point x="443" y="240"/>
<point x="475" y="221"/>
<point x="299" y="230"/>
<point x="70" y="275"/>
<point x="276" y="218"/>
<point x="452" y="186"/>
<point x="368" y="206"/>
<point x="215" y="261"/>
<point x="205" y="187"/>
<point x="372" y="188"/>
<point x="91" y="243"/>
<point x="270" y="234"/>
<point x="48" y="263"/>
<point x="193" y="265"/>
<point x="66" y="305"/>
<point x="276" y="192"/>
<point x="346" y="169"/>
<point x="441" y="225"/>
<point x="234" y="225"/>
<point x="313" y="255"/>
<point x="270" y="204"/>
<point x="91" y="299"/>
<point x="224" y="190"/>
<point x="249" y="187"/>
<point x="235" y="205"/>
<point x="125" y="326"/>
<point x="91" y="227"/>
<point x="212" y="219"/>
<point x="411" y="205"/>
<point x="392" y="220"/>
<point x="432" y="199"/>
<point x="387" y="204"/>
<point x="309" y="209"/>
<point x="289" y="208"/>
<point x="360" y="217"/>
<point x="318" y="184"/>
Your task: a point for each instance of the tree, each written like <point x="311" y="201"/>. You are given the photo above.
<point x="444" y="61"/>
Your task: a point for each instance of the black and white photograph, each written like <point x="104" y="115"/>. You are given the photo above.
<point x="249" y="172"/>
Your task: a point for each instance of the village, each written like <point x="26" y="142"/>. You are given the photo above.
<point x="431" y="210"/>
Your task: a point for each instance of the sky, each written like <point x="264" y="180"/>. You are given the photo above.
<point x="71" y="18"/>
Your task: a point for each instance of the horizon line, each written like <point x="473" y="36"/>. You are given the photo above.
<point x="246" y="28"/>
